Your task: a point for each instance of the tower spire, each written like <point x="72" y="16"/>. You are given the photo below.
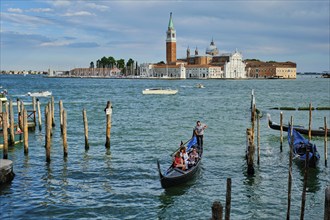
<point x="170" y="23"/>
<point x="170" y="42"/>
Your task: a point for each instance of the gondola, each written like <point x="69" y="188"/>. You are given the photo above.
<point x="300" y="147"/>
<point x="300" y="129"/>
<point x="176" y="176"/>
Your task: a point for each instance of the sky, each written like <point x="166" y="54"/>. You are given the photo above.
<point x="65" y="34"/>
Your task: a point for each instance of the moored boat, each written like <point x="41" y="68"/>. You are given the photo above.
<point x="39" y="94"/>
<point x="301" y="129"/>
<point x="3" y="95"/>
<point x="174" y="176"/>
<point x="159" y="91"/>
<point x="300" y="147"/>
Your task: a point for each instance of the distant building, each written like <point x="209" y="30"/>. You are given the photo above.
<point x="211" y="65"/>
<point x="95" y="72"/>
<point x="260" y="69"/>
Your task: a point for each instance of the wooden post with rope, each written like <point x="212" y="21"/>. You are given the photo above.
<point x="217" y="211"/>
<point x="290" y="170"/>
<point x="108" y="112"/>
<point x="85" y="129"/>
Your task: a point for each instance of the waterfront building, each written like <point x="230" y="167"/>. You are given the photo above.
<point x="211" y="65"/>
<point x="95" y="72"/>
<point x="272" y="69"/>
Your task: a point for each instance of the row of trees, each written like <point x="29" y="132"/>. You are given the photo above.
<point x="111" y="62"/>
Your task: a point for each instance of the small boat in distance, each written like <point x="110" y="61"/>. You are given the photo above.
<point x="200" y="86"/>
<point x="300" y="147"/>
<point x="159" y="91"/>
<point x="39" y="94"/>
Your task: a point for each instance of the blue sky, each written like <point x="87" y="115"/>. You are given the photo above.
<point x="62" y="34"/>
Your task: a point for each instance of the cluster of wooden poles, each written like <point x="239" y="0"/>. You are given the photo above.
<point x="250" y="154"/>
<point x="24" y="125"/>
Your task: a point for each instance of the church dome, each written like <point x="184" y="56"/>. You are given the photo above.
<point x="212" y="49"/>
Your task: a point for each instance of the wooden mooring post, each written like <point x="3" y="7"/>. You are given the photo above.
<point x="39" y="115"/>
<point x="217" y="210"/>
<point x="108" y="112"/>
<point x="5" y="135"/>
<point x="327" y="204"/>
<point x="52" y="111"/>
<point x="258" y="138"/>
<point x="60" y="104"/>
<point x="85" y="129"/>
<point x="281" y="131"/>
<point x="250" y="151"/>
<point x="325" y="142"/>
<point x="48" y="130"/>
<point x="310" y="123"/>
<point x="64" y="136"/>
<point x="303" y="196"/>
<point x="12" y="124"/>
<point x="25" y="132"/>
<point x="290" y="172"/>
<point x="228" y="199"/>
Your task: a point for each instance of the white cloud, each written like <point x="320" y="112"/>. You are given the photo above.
<point x="78" y="13"/>
<point x="40" y="10"/>
<point x="55" y="44"/>
<point x="97" y="6"/>
<point x="15" y="10"/>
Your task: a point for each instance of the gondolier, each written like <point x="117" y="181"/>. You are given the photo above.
<point x="199" y="132"/>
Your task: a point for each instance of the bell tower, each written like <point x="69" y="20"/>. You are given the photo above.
<point x="170" y="42"/>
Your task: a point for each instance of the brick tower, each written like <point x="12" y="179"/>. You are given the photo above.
<point x="170" y="42"/>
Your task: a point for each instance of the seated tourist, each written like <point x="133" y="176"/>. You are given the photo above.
<point x="178" y="161"/>
<point x="193" y="157"/>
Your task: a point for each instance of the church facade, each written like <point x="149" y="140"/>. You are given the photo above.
<point x="211" y="65"/>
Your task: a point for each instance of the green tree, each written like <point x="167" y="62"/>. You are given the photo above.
<point x="121" y="63"/>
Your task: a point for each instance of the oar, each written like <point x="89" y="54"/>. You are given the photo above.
<point x="182" y="144"/>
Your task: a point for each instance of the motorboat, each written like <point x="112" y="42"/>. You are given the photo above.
<point x="39" y="94"/>
<point x="159" y="91"/>
<point x="199" y="85"/>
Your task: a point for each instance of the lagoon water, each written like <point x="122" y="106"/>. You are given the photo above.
<point x="123" y="183"/>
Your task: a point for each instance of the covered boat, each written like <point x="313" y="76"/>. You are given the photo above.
<point x="300" y="147"/>
<point x="301" y="129"/>
<point x="159" y="91"/>
<point x="175" y="176"/>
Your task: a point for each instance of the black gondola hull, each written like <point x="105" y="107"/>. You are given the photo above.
<point x="300" y="129"/>
<point x="168" y="181"/>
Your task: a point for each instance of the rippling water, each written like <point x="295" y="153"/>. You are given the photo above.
<point x="123" y="183"/>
